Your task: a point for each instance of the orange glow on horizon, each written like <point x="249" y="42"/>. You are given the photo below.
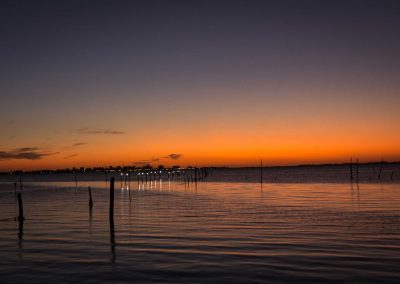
<point x="223" y="151"/>
<point x="221" y="133"/>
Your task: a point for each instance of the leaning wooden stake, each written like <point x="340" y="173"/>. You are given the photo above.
<point x="20" y="208"/>
<point x="111" y="199"/>
<point x="90" y="198"/>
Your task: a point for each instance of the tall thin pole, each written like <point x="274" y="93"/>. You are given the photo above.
<point x="20" y="208"/>
<point x="90" y="199"/>
<point x="261" y="172"/>
<point x="380" y="169"/>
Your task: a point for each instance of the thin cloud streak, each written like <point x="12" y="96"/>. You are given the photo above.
<point x="26" y="149"/>
<point x="74" y="145"/>
<point x="27" y="153"/>
<point x="70" y="156"/>
<point x="78" y="144"/>
<point x="173" y="156"/>
<point x="87" y="130"/>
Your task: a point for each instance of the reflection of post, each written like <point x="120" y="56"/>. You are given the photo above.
<point x="20" y="236"/>
<point x="112" y="241"/>
<point x="111" y="212"/>
<point x="76" y="181"/>
<point x="357" y="171"/>
<point x="90" y="221"/>
<point x="21" y="230"/>
<point x="111" y="217"/>
<point x="351" y="169"/>
<point x="20" y="221"/>
<point x="380" y="169"/>
<point x="129" y="192"/>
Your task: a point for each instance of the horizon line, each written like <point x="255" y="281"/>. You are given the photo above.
<point x="215" y="167"/>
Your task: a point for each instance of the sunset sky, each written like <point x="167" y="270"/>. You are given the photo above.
<point x="99" y="83"/>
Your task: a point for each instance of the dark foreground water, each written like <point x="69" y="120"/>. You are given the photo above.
<point x="214" y="232"/>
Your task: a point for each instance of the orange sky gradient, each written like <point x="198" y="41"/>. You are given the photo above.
<point x="237" y="132"/>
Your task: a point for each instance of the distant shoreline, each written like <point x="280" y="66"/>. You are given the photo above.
<point x="130" y="168"/>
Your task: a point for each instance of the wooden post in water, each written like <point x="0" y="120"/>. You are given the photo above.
<point x="20" y="208"/>
<point x="261" y="172"/>
<point x="195" y="174"/>
<point x="111" y="212"/>
<point x="380" y="169"/>
<point x="90" y="199"/>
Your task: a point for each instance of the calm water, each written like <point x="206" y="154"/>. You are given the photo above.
<point x="217" y="231"/>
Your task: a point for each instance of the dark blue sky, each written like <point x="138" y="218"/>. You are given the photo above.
<point x="72" y="64"/>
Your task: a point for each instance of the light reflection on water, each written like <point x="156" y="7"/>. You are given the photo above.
<point x="210" y="232"/>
